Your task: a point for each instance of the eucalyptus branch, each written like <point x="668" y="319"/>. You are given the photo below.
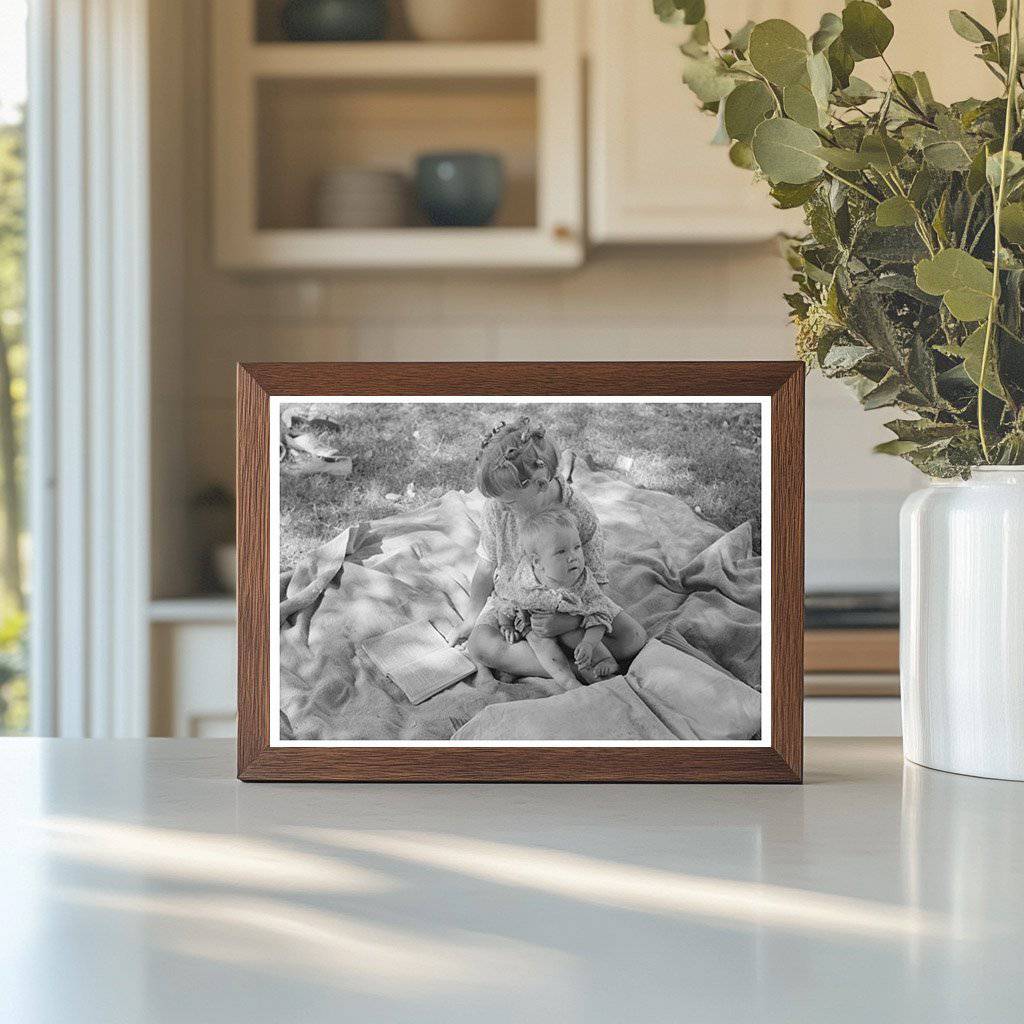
<point x="894" y="182"/>
<point x="1011" y="109"/>
<point x="970" y="214"/>
<point x="995" y="71"/>
<point x="771" y="90"/>
<point x="853" y="185"/>
<point x="977" y="237"/>
<point x="909" y="100"/>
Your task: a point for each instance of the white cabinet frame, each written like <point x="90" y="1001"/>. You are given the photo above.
<point x="553" y="62"/>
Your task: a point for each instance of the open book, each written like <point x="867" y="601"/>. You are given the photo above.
<point x="418" y="660"/>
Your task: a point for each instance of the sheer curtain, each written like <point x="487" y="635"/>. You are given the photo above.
<point x="88" y="301"/>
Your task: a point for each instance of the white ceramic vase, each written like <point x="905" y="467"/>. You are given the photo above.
<point x="962" y="624"/>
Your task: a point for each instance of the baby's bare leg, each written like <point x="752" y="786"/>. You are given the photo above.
<point x="601" y="666"/>
<point x="552" y="658"/>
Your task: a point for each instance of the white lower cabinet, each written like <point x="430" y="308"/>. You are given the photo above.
<point x="852" y="716"/>
<point x="193" y="679"/>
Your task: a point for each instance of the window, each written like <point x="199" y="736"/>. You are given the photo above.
<point x="14" y="692"/>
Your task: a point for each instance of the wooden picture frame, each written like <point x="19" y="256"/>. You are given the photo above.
<point x="778" y="759"/>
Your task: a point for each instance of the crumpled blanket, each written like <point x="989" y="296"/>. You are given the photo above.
<point x="695" y="589"/>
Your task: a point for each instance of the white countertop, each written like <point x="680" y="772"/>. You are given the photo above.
<point x="140" y="882"/>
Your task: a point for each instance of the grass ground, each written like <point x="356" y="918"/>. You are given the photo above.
<point x="405" y="455"/>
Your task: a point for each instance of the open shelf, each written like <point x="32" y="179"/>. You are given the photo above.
<point x="392" y="60"/>
<point x="406" y="248"/>
<point x="519" y="24"/>
<point x="309" y="127"/>
<point x="286" y="114"/>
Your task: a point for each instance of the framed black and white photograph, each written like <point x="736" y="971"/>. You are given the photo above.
<point x="520" y="571"/>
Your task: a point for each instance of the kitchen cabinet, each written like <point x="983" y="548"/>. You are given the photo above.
<point x="192" y="645"/>
<point x="654" y="177"/>
<point x="287" y="114"/>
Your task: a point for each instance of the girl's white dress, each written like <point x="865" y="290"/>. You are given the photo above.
<point x="583" y="598"/>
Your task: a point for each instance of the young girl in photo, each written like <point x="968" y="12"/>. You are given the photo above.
<point x="553" y="577"/>
<point x="517" y="473"/>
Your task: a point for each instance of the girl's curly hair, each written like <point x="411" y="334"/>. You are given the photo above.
<point x="513" y="455"/>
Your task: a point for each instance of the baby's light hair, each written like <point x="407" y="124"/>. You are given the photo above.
<point x="542" y="524"/>
<point x="513" y="455"/>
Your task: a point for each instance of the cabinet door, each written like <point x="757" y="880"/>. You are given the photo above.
<point x="654" y="176"/>
<point x="285" y="114"/>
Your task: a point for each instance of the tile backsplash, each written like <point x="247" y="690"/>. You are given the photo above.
<point x="709" y="303"/>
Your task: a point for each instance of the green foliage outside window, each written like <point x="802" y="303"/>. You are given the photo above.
<point x="13" y="412"/>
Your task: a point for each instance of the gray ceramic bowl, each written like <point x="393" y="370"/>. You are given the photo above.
<point x="332" y="21"/>
<point x="460" y="189"/>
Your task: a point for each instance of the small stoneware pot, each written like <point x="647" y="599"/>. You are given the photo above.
<point x="333" y="21"/>
<point x="460" y="189"/>
<point x="470" y="20"/>
<point x="360" y="197"/>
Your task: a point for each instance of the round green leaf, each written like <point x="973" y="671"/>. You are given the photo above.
<point x="963" y="281"/>
<point x="665" y="10"/>
<point x="866" y="29"/>
<point x="741" y="155"/>
<point x="690" y="12"/>
<point x="976" y="174"/>
<point x="840" y="62"/>
<point x="971" y="351"/>
<point x="968" y="28"/>
<point x="693" y="11"/>
<point x="947" y="156"/>
<point x="779" y="51"/>
<point x="786" y="151"/>
<point x="829" y="29"/>
<point x="788" y="197"/>
<point x="896" y="447"/>
<point x="993" y="166"/>
<point x="1012" y="224"/>
<point x="740" y="39"/>
<point x="745" y="108"/>
<point x="820" y="76"/>
<point x="895" y="212"/>
<point x="858" y="91"/>
<point x="883" y="152"/>
<point x="801" y="106"/>
<point x="924" y="88"/>
<point x="707" y="79"/>
<point x="844" y="159"/>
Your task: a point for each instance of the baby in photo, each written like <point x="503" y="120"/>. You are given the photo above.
<point x="553" y="577"/>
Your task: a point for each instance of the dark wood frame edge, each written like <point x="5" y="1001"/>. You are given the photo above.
<point x="781" y="762"/>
